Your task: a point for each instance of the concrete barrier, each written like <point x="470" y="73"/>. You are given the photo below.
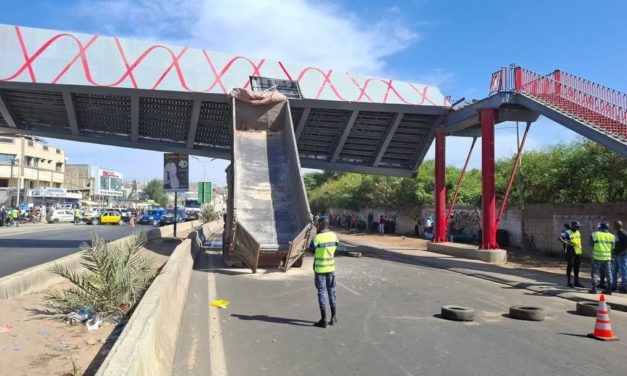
<point x="494" y="256"/>
<point x="148" y="342"/>
<point x="39" y="277"/>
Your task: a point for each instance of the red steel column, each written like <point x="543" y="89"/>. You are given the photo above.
<point x="488" y="199"/>
<point x="440" y="188"/>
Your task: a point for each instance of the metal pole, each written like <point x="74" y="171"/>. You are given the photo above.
<point x="460" y="181"/>
<point x="175" y="211"/>
<point x="440" y="188"/>
<point x="488" y="199"/>
<point x="521" y="197"/>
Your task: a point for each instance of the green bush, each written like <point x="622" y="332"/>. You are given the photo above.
<point x="208" y="214"/>
<point x="115" y="279"/>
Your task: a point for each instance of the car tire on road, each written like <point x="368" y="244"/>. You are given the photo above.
<point x="529" y="313"/>
<point x="55" y="221"/>
<point x="589" y="308"/>
<point x="457" y="313"/>
<point x="298" y="263"/>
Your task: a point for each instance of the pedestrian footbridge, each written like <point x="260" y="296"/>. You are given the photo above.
<point x="160" y="97"/>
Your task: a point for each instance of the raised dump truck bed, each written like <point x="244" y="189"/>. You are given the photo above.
<point x="268" y="220"/>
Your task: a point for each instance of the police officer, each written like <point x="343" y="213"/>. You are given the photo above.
<point x="602" y="242"/>
<point x="77" y="216"/>
<point x="573" y="253"/>
<point x="324" y="245"/>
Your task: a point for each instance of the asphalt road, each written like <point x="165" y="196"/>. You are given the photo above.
<point x="388" y="325"/>
<point x="31" y="245"/>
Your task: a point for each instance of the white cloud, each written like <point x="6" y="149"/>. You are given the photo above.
<point x="316" y="33"/>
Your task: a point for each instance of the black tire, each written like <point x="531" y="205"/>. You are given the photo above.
<point x="529" y="313"/>
<point x="457" y="313"/>
<point x="55" y="221"/>
<point x="298" y="263"/>
<point x="588" y="308"/>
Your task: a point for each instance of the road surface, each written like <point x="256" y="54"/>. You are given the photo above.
<point x="388" y="325"/>
<point x="30" y="245"/>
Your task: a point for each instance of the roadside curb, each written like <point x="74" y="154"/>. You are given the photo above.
<point x="537" y="288"/>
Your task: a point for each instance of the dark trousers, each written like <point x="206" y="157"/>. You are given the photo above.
<point x="573" y="261"/>
<point x="325" y="283"/>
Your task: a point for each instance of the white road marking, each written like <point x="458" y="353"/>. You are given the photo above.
<point x="216" y="344"/>
<point x="349" y="289"/>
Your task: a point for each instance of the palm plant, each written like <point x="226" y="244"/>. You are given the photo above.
<point x="208" y="214"/>
<point x="115" y="278"/>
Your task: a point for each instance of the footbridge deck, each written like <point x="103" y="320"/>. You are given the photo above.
<point x="141" y="95"/>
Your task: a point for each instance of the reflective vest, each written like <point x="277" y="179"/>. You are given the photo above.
<point x="602" y="244"/>
<point x="575" y="241"/>
<point x="77" y="213"/>
<point x="325" y="243"/>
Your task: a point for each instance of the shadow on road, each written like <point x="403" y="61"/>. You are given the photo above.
<point x="273" y="319"/>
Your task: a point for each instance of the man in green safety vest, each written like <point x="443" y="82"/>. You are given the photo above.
<point x="573" y="253"/>
<point x="602" y="242"/>
<point x="324" y="245"/>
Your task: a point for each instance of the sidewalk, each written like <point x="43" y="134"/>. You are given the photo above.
<point x="541" y="275"/>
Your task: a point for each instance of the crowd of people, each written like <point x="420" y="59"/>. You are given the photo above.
<point x="15" y="215"/>
<point x="385" y="224"/>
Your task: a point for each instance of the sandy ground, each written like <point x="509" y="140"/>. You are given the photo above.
<point x="33" y="344"/>
<point x="515" y="258"/>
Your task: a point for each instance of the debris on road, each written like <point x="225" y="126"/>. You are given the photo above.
<point x="456" y="313"/>
<point x="220" y="303"/>
<point x="528" y="313"/>
<point x="80" y="316"/>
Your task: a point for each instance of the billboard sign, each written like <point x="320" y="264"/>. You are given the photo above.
<point x="175" y="172"/>
<point x="109" y="183"/>
<point x="205" y="190"/>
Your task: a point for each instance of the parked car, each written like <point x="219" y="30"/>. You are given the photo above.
<point x="91" y="216"/>
<point x="152" y="217"/>
<point x="168" y="217"/>
<point x="111" y="216"/>
<point x="60" y="215"/>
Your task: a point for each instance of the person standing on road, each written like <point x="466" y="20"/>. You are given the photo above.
<point x="573" y="253"/>
<point x="381" y="224"/>
<point x="77" y="216"/>
<point x="619" y="265"/>
<point x="15" y="216"/>
<point x="324" y="245"/>
<point x="602" y="242"/>
<point x="3" y="216"/>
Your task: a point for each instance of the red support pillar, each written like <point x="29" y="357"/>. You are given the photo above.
<point x="557" y="76"/>
<point x="440" y="188"/>
<point x="517" y="79"/>
<point x="488" y="199"/>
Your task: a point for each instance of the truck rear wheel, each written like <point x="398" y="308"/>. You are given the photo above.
<point x="298" y="263"/>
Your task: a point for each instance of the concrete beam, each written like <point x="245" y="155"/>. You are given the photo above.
<point x="361" y="169"/>
<point x="347" y="130"/>
<point x="6" y="114"/>
<point x="71" y="112"/>
<point x="134" y="118"/>
<point x="388" y="138"/>
<point x="193" y="124"/>
<point x="301" y="123"/>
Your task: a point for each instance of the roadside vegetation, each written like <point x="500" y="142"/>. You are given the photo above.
<point x="154" y="191"/>
<point x="208" y="214"/>
<point x="576" y="172"/>
<point x="115" y="279"/>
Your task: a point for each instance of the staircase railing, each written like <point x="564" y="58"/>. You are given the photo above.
<point x="594" y="103"/>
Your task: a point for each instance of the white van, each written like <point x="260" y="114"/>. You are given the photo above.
<point x="60" y="215"/>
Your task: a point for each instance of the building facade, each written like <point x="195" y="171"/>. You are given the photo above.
<point x="97" y="185"/>
<point x="28" y="163"/>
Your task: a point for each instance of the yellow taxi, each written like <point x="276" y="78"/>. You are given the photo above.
<point x="113" y="217"/>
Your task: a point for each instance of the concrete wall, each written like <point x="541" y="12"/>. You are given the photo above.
<point x="543" y="222"/>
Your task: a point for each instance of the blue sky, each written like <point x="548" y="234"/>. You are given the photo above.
<point x="453" y="44"/>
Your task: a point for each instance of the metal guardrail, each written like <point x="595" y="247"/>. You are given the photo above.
<point x="596" y="104"/>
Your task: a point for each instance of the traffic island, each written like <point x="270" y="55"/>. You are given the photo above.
<point x="493" y="256"/>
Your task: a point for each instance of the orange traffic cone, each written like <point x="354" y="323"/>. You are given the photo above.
<point x="603" y="327"/>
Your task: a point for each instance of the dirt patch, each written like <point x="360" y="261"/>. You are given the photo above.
<point x="34" y="344"/>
